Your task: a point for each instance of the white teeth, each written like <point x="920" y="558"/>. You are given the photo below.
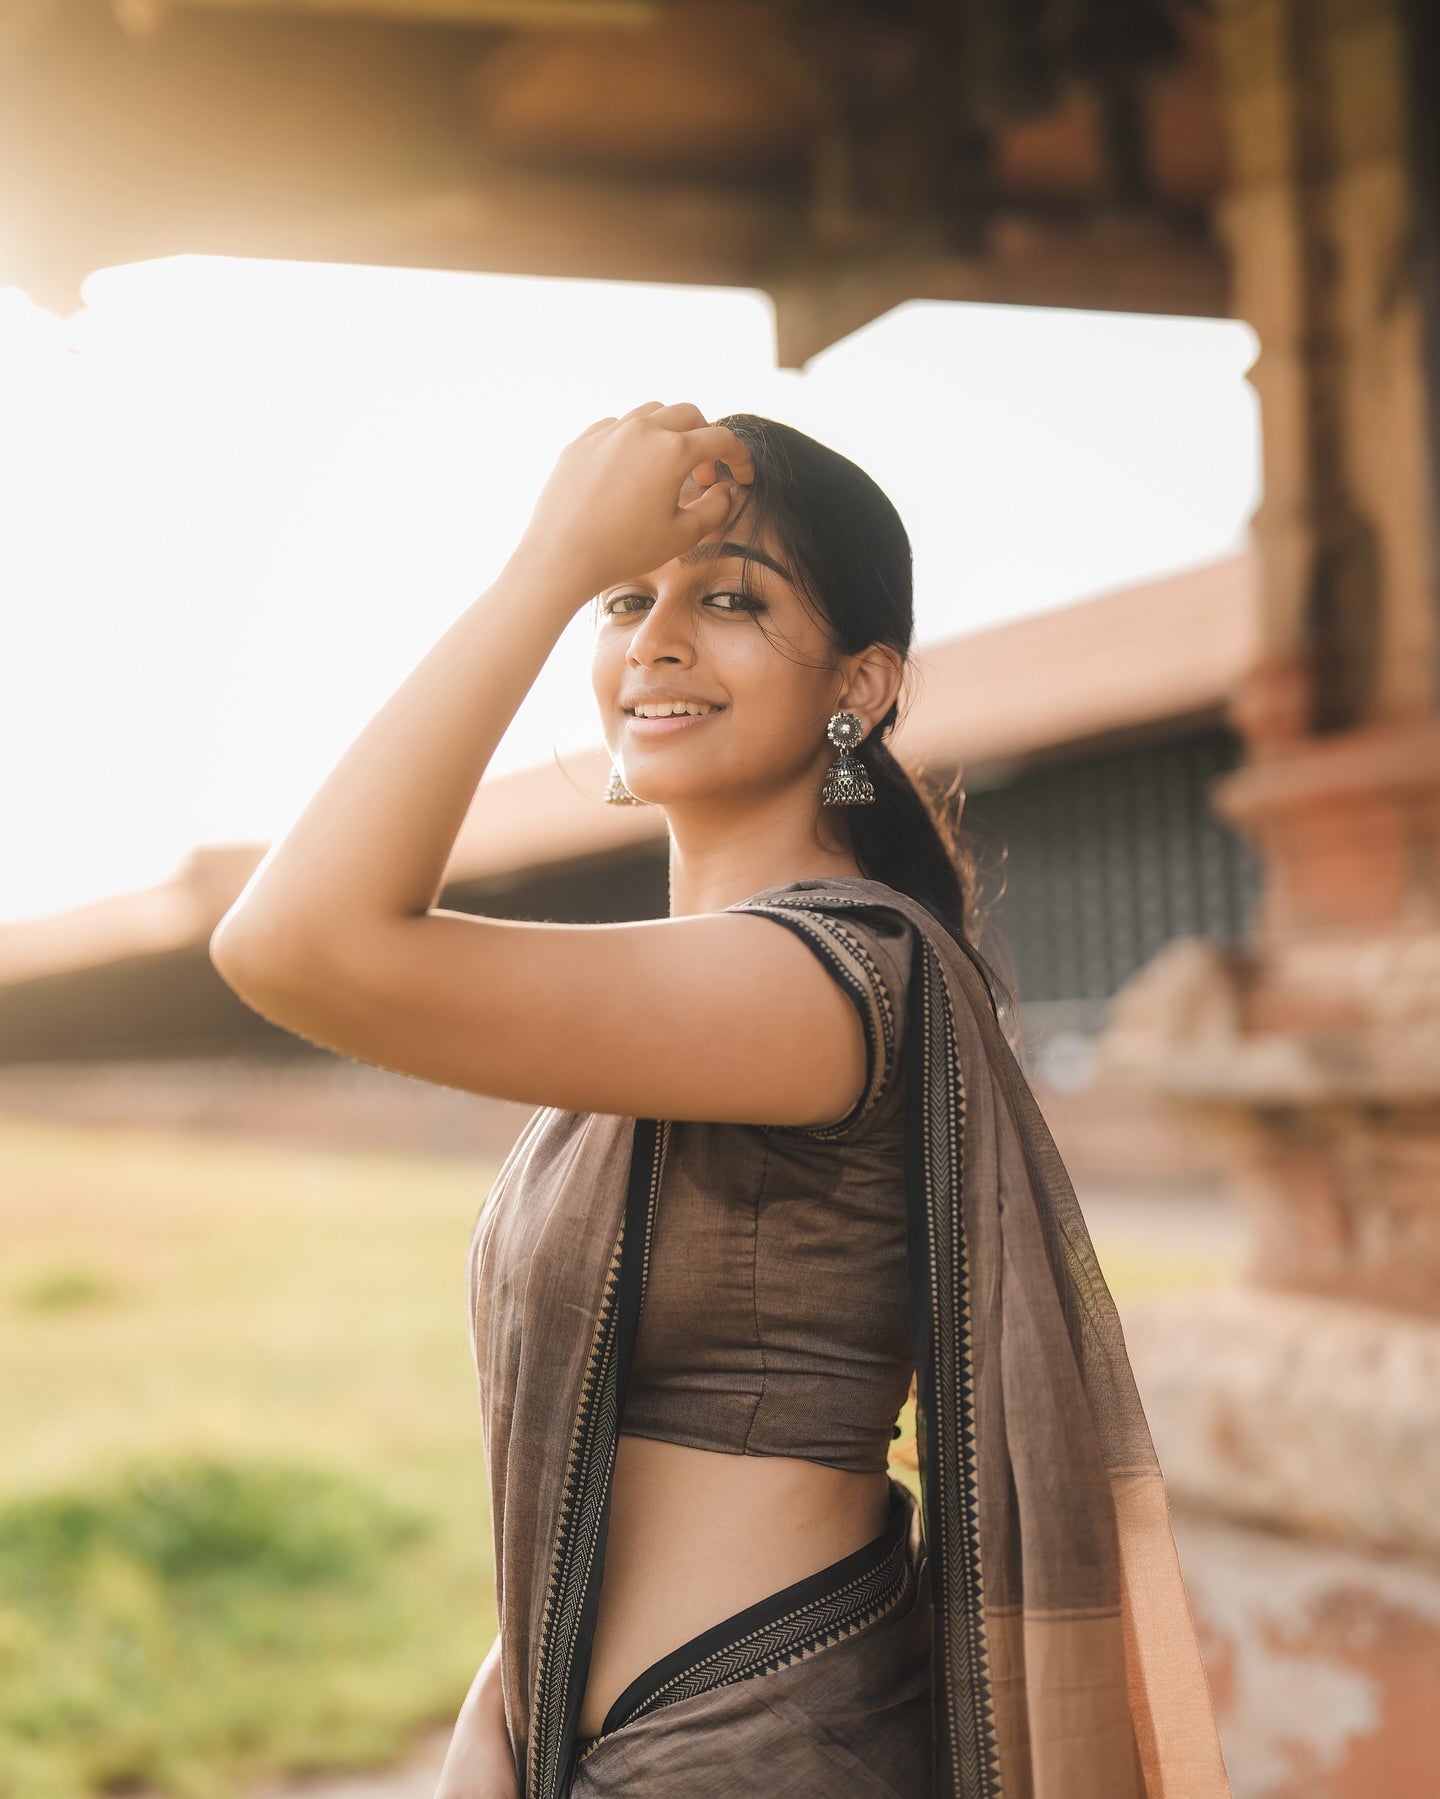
<point x="667" y="710"/>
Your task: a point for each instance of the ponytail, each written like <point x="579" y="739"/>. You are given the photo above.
<point x="906" y="840"/>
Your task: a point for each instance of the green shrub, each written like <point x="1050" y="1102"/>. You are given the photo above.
<point x="154" y="1628"/>
<point x="65" y="1288"/>
<point x="276" y="1525"/>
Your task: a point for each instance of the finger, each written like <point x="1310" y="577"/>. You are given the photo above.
<point x="681" y="416"/>
<point x="711" y="441"/>
<point x="710" y="512"/>
<point x="645" y="406"/>
<point x="689" y="424"/>
<point x="706" y="474"/>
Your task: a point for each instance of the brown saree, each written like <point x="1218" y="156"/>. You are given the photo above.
<point x="1024" y="1633"/>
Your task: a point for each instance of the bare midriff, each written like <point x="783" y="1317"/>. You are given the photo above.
<point x="696" y="1535"/>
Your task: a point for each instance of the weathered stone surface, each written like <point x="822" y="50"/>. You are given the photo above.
<point x="1331" y="1131"/>
<point x="1311" y="1415"/>
<point x="1324" y="1663"/>
<point x="1319" y="1021"/>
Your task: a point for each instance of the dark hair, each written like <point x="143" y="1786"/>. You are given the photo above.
<point x="850" y="554"/>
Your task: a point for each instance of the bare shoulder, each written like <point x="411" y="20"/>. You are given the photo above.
<point x="723" y="1016"/>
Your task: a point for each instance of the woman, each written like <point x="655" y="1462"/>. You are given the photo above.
<point x="772" y="1171"/>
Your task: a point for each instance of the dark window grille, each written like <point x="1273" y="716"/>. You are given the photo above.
<point x="1105" y="857"/>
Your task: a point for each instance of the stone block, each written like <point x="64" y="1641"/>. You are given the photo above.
<point x="1324" y="1663"/>
<point x="1313" y="1416"/>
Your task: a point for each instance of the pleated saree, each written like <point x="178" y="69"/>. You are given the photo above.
<point x="1023" y="1631"/>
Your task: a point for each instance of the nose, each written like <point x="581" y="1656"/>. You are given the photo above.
<point x="665" y="634"/>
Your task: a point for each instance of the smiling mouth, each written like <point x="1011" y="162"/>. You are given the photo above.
<point x="672" y="721"/>
<point x="659" y="718"/>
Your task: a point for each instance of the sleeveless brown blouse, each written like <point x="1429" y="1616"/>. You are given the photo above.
<point x="775" y="1318"/>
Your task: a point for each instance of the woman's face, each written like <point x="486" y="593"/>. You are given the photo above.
<point x="724" y="625"/>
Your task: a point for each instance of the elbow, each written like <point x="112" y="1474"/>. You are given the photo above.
<point x="251" y="958"/>
<point x="224" y="951"/>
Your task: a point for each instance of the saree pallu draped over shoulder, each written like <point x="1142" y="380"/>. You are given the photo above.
<point x="1062" y="1655"/>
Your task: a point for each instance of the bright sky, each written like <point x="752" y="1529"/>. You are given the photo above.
<point x="240" y="500"/>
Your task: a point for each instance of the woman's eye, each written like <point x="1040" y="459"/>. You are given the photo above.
<point x="617" y="602"/>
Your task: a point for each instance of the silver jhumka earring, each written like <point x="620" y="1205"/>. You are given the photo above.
<point x="846" y="782"/>
<point x="618" y="794"/>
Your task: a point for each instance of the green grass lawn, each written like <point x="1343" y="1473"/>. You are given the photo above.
<point x="243" y="1526"/>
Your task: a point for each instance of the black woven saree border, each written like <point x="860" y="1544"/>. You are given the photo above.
<point x="810" y="1615"/>
<point x="966" y="1752"/>
<point x="875" y="1020"/>
<point x="566" y="1635"/>
<point x="966" y="1758"/>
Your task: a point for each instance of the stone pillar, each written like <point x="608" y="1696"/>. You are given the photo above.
<point x="1305" y="1403"/>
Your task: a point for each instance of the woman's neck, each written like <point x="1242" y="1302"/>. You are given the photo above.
<point x="713" y="889"/>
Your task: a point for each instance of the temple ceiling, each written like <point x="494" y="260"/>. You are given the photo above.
<point x="842" y="157"/>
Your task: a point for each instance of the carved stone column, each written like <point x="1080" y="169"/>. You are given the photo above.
<point x="1308" y="1402"/>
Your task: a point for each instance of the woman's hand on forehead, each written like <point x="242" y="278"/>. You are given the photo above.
<point x="734" y="464"/>
<point x="634" y="493"/>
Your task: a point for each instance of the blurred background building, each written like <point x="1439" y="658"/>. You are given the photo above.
<point x="1084" y="739"/>
<point x="1223" y="843"/>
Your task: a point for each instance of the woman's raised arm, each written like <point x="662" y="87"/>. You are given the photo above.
<point x="718" y="1016"/>
<point x="336" y="936"/>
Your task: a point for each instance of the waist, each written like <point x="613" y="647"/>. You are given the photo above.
<point x="696" y="1535"/>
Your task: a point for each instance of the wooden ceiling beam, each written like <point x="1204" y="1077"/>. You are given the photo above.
<point x="603" y="228"/>
<point x="1087" y="264"/>
<point x="143" y="15"/>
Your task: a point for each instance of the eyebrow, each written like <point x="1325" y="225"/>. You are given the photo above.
<point x="716" y="552"/>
